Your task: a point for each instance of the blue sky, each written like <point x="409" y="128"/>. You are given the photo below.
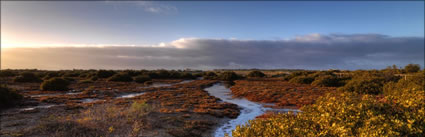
<point x="131" y="23"/>
<point x="211" y="34"/>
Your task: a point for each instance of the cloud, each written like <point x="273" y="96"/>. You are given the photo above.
<point x="315" y="51"/>
<point x="148" y="6"/>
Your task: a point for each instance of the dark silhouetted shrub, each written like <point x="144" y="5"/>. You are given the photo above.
<point x="302" y="80"/>
<point x="94" y="78"/>
<point x="186" y="75"/>
<point x="142" y="79"/>
<point x="209" y="75"/>
<point x="68" y="79"/>
<point x="27" y="77"/>
<point x="163" y="74"/>
<point x="85" y="81"/>
<point x="7" y="73"/>
<point x="280" y="75"/>
<point x="121" y="78"/>
<point x="228" y="76"/>
<point x="153" y="75"/>
<point x="326" y="81"/>
<point x="105" y="73"/>
<point x="55" y="84"/>
<point x="256" y="73"/>
<point x="8" y="97"/>
<point x="50" y="75"/>
<point x="412" y="68"/>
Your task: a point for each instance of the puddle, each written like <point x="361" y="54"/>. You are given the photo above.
<point x="89" y="100"/>
<point x="36" y="107"/>
<point x="249" y="111"/>
<point x="156" y="85"/>
<point x="131" y="95"/>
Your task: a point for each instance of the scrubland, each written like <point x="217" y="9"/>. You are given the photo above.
<point x="388" y="102"/>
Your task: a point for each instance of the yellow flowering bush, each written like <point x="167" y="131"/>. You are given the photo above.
<point x="347" y="114"/>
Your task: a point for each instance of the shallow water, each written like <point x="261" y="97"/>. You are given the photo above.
<point x="36" y="107"/>
<point x="156" y="85"/>
<point x="249" y="110"/>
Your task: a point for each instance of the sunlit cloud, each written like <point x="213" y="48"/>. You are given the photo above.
<point x="315" y="51"/>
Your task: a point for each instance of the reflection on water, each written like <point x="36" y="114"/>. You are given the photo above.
<point x="156" y="85"/>
<point x="35" y="107"/>
<point x="249" y="111"/>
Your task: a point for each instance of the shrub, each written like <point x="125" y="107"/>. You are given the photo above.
<point x="105" y="73"/>
<point x="163" y="74"/>
<point x="296" y="74"/>
<point x="8" y="97"/>
<point x="256" y="73"/>
<point x="121" y="78"/>
<point x="280" y="75"/>
<point x="72" y="74"/>
<point x="7" y="73"/>
<point x="416" y="82"/>
<point x="321" y="73"/>
<point x="85" y="81"/>
<point x="50" y="75"/>
<point x="142" y="79"/>
<point x="132" y="73"/>
<point x="27" y="77"/>
<point x="346" y="114"/>
<point x="228" y="76"/>
<point x="187" y="75"/>
<point x="326" y="81"/>
<point x="412" y="68"/>
<point x="302" y="80"/>
<point x="94" y="78"/>
<point x="209" y="75"/>
<point x="56" y="84"/>
<point x="153" y="75"/>
<point x="364" y="85"/>
<point x="68" y="79"/>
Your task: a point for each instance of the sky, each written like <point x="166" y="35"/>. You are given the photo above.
<point x="211" y="34"/>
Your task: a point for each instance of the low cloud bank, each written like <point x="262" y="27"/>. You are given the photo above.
<point x="315" y="51"/>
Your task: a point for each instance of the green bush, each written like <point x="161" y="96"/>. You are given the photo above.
<point x="163" y="74"/>
<point x="415" y="82"/>
<point x="121" y="78"/>
<point x="326" y="81"/>
<point x="27" y="77"/>
<point x="412" y="68"/>
<point x="105" y="73"/>
<point x="55" y="84"/>
<point x="142" y="79"/>
<point x="346" y="114"/>
<point x="228" y="76"/>
<point x="302" y="80"/>
<point x="85" y="81"/>
<point x="256" y="73"/>
<point x="280" y="75"/>
<point x="8" y="97"/>
<point x="50" y="75"/>
<point x="364" y="85"/>
<point x="186" y="75"/>
<point x="296" y="74"/>
<point x="209" y="75"/>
